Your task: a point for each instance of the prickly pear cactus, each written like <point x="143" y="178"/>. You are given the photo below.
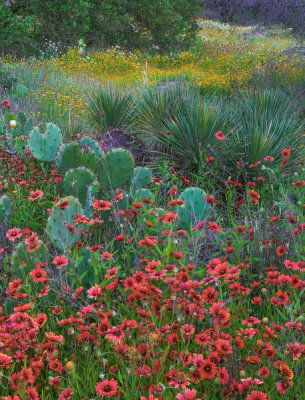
<point x="2" y="127"/>
<point x="141" y="178"/>
<point x="5" y="209"/>
<point x="77" y="181"/>
<point x="195" y="209"/>
<point x="61" y="237"/>
<point x="93" y="145"/>
<point x="20" y="92"/>
<point x="24" y="126"/>
<point x="117" y="169"/>
<point x="73" y="155"/>
<point x="44" y="147"/>
<point x="19" y="145"/>
<point x="141" y="194"/>
<point x="22" y="262"/>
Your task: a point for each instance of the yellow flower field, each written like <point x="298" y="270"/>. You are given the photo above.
<point x="224" y="58"/>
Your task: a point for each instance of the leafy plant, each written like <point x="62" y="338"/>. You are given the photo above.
<point x="180" y="124"/>
<point x="111" y="107"/>
<point x="264" y="126"/>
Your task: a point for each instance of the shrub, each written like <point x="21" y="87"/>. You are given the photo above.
<point x="166" y="24"/>
<point x="17" y="33"/>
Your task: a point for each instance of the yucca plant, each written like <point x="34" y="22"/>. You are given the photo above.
<point x="264" y="125"/>
<point x="111" y="107"/>
<point x="180" y="125"/>
<point x="155" y="105"/>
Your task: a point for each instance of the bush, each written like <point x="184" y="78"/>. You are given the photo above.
<point x="166" y="24"/>
<point x="17" y="33"/>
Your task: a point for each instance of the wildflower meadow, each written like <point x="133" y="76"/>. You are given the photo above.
<point x="151" y="222"/>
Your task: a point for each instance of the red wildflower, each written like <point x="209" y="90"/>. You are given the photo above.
<point x="220" y="136"/>
<point x="35" y="195"/>
<point x="60" y="261"/>
<point x="257" y="396"/>
<point x="107" y="388"/>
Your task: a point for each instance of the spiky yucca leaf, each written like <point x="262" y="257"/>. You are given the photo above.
<point x="192" y="121"/>
<point x="110" y="108"/>
<point x="264" y="126"/>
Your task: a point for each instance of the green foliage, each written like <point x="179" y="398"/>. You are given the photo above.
<point x="72" y="155"/>
<point x="110" y="108"/>
<point x="117" y="169"/>
<point x="61" y="237"/>
<point x="62" y="20"/>
<point x="5" y="209"/>
<point x="22" y="261"/>
<point x="7" y="82"/>
<point x="17" y="28"/>
<point x="77" y="181"/>
<point x="264" y="126"/>
<point x="165" y="24"/>
<point x="195" y="209"/>
<point x="44" y="147"/>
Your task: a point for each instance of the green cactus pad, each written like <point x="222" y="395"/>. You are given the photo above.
<point x="195" y="209"/>
<point x="77" y="181"/>
<point x="44" y="147"/>
<point x="93" y="145"/>
<point x="143" y="194"/>
<point x="73" y="155"/>
<point x="60" y="235"/>
<point x="22" y="118"/>
<point x="22" y="262"/>
<point x="24" y="126"/>
<point x="10" y="117"/>
<point x="117" y="169"/>
<point x="5" y="208"/>
<point x="141" y="178"/>
<point x="20" y="92"/>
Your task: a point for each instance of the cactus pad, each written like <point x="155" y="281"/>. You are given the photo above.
<point x="77" y="181"/>
<point x="141" y="178"/>
<point x="141" y="194"/>
<point x="5" y="208"/>
<point x="195" y="209"/>
<point x="44" y="147"/>
<point x="73" y="155"/>
<point x="22" y="262"/>
<point x="60" y="235"/>
<point x="93" y="145"/>
<point x="117" y="169"/>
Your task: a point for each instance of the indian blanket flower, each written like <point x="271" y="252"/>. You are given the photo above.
<point x="107" y="388"/>
<point x="257" y="396"/>
<point x="220" y="136"/>
<point x="35" y="195"/>
<point x="14" y="234"/>
<point x="66" y="394"/>
<point x="101" y="205"/>
<point x="60" y="261"/>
